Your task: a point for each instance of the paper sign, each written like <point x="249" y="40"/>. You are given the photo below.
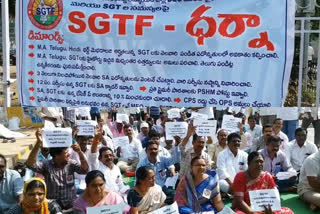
<point x="122" y="118"/>
<point x="198" y="116"/>
<point x="171" y="181"/>
<point x="286" y="175"/>
<point x="57" y="137"/>
<point x="48" y="124"/>
<point x="171" y="209"/>
<point x="261" y="198"/>
<point x="174" y="113"/>
<point x="110" y="209"/>
<point x="120" y="142"/>
<point x="83" y="112"/>
<point x="289" y="113"/>
<point x="86" y="127"/>
<point x="176" y="129"/>
<point x="230" y="123"/>
<point x="206" y="128"/>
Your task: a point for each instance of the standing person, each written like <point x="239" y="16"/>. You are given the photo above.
<point x="309" y="183"/>
<point x="59" y="172"/>
<point x="231" y="161"/>
<point x="311" y="116"/>
<point x="146" y="196"/>
<point x="11" y="186"/>
<point x="34" y="200"/>
<point x="290" y="121"/>
<point x="95" y="113"/>
<point x="198" y="191"/>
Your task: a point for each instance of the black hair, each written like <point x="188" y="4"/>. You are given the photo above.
<point x="266" y="126"/>
<point x="253" y="155"/>
<point x="272" y="139"/>
<point x="153" y="133"/>
<point x="300" y="130"/>
<point x="35" y="184"/>
<point x="142" y="173"/>
<point x="277" y="119"/>
<point x="251" y="117"/>
<point x="56" y="151"/>
<point x="93" y="175"/>
<point x="4" y="159"/>
<point x="102" y="150"/>
<point x="149" y="143"/>
<point x="233" y="135"/>
<point x="195" y="159"/>
<point x="194" y="137"/>
<point x="127" y="125"/>
<point x="239" y="115"/>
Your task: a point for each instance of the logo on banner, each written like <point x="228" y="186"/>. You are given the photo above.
<point x="45" y="14"/>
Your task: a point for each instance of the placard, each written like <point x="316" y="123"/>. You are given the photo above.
<point x="120" y="142"/>
<point x="288" y="113"/>
<point x="57" y="137"/>
<point x="174" y="113"/>
<point x="198" y="116"/>
<point x="86" y="127"/>
<point x="261" y="198"/>
<point x="169" y="209"/>
<point x="176" y="129"/>
<point x="110" y="209"/>
<point x="123" y="118"/>
<point x="230" y="123"/>
<point x="206" y="128"/>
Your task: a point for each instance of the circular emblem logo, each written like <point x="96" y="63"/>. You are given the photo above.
<point x="45" y="14"/>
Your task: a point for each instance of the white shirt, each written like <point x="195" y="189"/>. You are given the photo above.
<point x="311" y="168"/>
<point x="296" y="154"/>
<point x="75" y="156"/>
<point x="163" y="152"/>
<point x="113" y="176"/>
<point x="255" y="132"/>
<point x="285" y="141"/>
<point x="131" y="151"/>
<point x="228" y="165"/>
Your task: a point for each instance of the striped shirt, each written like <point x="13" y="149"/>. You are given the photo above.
<point x="60" y="181"/>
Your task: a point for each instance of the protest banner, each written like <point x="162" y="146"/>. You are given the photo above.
<point x="57" y="137"/>
<point x="110" y="209"/>
<point x="261" y="198"/>
<point x="120" y="142"/>
<point x="86" y="127"/>
<point x="169" y="209"/>
<point x="176" y="129"/>
<point x="230" y="123"/>
<point x="151" y="53"/>
<point x="174" y="113"/>
<point x="206" y="128"/>
<point x="123" y="118"/>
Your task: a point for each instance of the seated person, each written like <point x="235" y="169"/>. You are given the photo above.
<point x="222" y="135"/>
<point x="144" y="132"/>
<point x="275" y="161"/>
<point x="61" y="166"/>
<point x="104" y="162"/>
<point x="173" y="147"/>
<point x="96" y="195"/>
<point x="260" y="142"/>
<point x="299" y="149"/>
<point x="146" y="196"/>
<point x="198" y="191"/>
<point x="162" y="166"/>
<point x="309" y="182"/>
<point x="11" y="186"/>
<point x="253" y="179"/>
<point x="129" y="155"/>
<point x="277" y="127"/>
<point x="197" y="149"/>
<point x="34" y="199"/>
<point x="231" y="161"/>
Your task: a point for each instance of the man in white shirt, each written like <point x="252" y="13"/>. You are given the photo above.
<point x="252" y="128"/>
<point x="129" y="155"/>
<point x="231" y="161"/>
<point x="309" y="182"/>
<point x="103" y="161"/>
<point x="276" y="128"/>
<point x="299" y="149"/>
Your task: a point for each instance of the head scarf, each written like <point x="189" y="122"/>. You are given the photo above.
<point x="29" y="209"/>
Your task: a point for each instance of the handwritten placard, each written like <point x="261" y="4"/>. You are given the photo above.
<point x="120" y="142"/>
<point x="176" y="129"/>
<point x="57" y="137"/>
<point x="230" y="123"/>
<point x="110" y="209"/>
<point x="261" y="198"/>
<point x="122" y="118"/>
<point x="86" y="127"/>
<point x="206" y="128"/>
<point x="170" y="209"/>
<point x="174" y="113"/>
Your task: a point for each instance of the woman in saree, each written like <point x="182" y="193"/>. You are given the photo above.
<point x="253" y="179"/>
<point x="34" y="200"/>
<point x="198" y="191"/>
<point x="96" y="195"/>
<point x="146" y="196"/>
